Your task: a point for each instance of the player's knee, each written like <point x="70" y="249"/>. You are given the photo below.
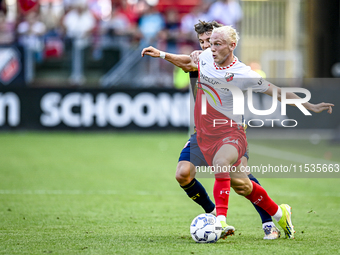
<point x="243" y="188"/>
<point x="183" y="174"/>
<point x="221" y="162"/>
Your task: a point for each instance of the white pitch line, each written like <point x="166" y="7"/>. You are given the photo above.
<point x="280" y="154"/>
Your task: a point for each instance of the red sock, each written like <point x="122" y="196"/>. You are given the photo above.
<point x="221" y="195"/>
<point x="260" y="197"/>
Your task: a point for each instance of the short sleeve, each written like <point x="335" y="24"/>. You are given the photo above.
<point x="255" y="81"/>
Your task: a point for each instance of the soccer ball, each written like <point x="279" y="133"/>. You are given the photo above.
<point x="205" y="228"/>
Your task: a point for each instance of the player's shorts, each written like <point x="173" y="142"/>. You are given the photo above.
<point x="210" y="144"/>
<point x="192" y="153"/>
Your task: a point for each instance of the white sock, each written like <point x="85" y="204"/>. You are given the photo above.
<point x="277" y="216"/>
<point x="269" y="224"/>
<point x="221" y="218"/>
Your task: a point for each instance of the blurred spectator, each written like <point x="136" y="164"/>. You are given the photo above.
<point x="189" y="20"/>
<point x="132" y="12"/>
<point x="68" y="4"/>
<point x="31" y="32"/>
<point x="227" y="12"/>
<point x="115" y="32"/>
<point x="150" y="24"/>
<point x="51" y="12"/>
<point x="10" y="8"/>
<point x="79" y="21"/>
<point x="100" y="9"/>
<point x="32" y="25"/>
<point x="118" y="24"/>
<point x="171" y="34"/>
<point x="7" y="30"/>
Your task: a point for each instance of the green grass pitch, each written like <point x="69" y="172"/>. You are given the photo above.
<point x="116" y="193"/>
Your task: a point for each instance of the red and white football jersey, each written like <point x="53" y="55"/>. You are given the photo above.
<point x="212" y="77"/>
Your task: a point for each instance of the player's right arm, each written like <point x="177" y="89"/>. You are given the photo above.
<point x="182" y="61"/>
<point x="317" y="108"/>
<point x="268" y="88"/>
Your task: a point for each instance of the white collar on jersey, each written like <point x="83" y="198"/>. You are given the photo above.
<point x="226" y="67"/>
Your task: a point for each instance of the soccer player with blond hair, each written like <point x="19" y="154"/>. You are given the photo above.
<point x="220" y="72"/>
<point x="191" y="155"/>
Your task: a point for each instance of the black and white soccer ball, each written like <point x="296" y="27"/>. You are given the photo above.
<point x="205" y="228"/>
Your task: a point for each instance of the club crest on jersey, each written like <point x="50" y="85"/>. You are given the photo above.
<point x="229" y="76"/>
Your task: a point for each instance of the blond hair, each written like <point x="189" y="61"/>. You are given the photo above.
<point x="228" y="32"/>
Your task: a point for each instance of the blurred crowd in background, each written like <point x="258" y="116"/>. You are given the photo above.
<point x="98" y="43"/>
<point x="49" y="29"/>
<point x="41" y="22"/>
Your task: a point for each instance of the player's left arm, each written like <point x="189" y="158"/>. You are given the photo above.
<point x="290" y="95"/>
<point x="184" y="62"/>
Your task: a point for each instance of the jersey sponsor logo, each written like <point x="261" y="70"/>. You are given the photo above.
<point x="203" y="63"/>
<point x="229" y="77"/>
<point x="209" y="93"/>
<point x="260" y="82"/>
<point x="228" y="140"/>
<point x="212" y="81"/>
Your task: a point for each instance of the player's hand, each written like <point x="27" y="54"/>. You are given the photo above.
<point x="323" y="107"/>
<point x="195" y="56"/>
<point x="151" y="51"/>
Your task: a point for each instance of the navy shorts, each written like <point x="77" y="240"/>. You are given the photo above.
<point x="192" y="153"/>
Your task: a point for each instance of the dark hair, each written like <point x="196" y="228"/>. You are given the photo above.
<point x="203" y="27"/>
